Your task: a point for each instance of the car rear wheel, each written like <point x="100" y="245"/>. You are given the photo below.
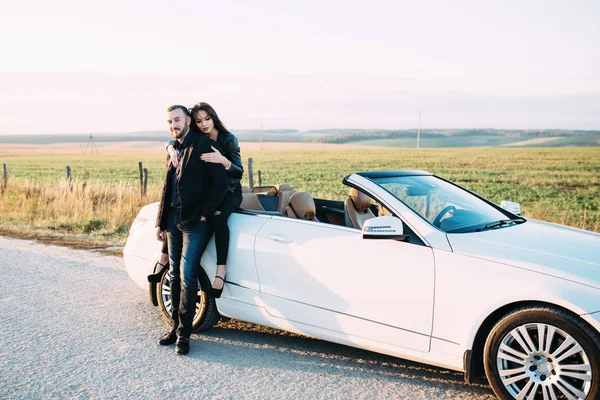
<point x="541" y="353"/>
<point x="206" y="309"/>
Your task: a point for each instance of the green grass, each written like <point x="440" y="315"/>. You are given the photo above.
<point x="556" y="184"/>
<point x="105" y="168"/>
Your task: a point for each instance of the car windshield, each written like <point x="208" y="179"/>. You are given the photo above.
<point x="444" y="205"/>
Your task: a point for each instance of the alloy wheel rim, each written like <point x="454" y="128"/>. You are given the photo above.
<point x="166" y="297"/>
<point x="540" y="361"/>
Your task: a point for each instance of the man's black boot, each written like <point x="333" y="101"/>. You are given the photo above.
<point x="168" y="338"/>
<point x="183" y="346"/>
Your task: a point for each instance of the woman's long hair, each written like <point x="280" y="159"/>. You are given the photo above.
<point x="219" y="125"/>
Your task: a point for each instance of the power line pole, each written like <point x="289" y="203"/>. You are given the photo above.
<point x="92" y="145"/>
<point x="419" y="130"/>
<point x="261" y="137"/>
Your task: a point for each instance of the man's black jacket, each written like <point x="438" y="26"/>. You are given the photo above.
<point x="202" y="185"/>
<point x="229" y="147"/>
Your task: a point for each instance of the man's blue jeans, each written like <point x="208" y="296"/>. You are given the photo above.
<point x="186" y="246"/>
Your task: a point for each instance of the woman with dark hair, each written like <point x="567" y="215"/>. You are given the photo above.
<point x="227" y="153"/>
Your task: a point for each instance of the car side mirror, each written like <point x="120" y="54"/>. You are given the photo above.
<point x="386" y="227"/>
<point x="511" y="207"/>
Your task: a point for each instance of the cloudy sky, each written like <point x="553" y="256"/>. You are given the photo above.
<point x="114" y="66"/>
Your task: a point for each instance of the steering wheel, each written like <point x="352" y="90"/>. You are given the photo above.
<point x="438" y="218"/>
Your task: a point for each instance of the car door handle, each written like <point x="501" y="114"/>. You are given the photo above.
<point x="280" y="238"/>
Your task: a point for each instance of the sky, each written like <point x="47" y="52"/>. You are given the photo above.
<point x="114" y="66"/>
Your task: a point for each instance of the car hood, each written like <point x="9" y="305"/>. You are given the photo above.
<point x="557" y="250"/>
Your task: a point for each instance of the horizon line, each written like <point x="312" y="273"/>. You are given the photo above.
<point x="315" y="130"/>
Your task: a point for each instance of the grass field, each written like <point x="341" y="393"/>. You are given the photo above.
<point x="555" y="184"/>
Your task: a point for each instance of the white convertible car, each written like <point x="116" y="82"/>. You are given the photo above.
<point x="413" y="266"/>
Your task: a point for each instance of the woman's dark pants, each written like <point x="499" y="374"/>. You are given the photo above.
<point x="218" y="223"/>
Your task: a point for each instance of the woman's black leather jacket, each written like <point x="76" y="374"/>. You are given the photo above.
<point x="229" y="147"/>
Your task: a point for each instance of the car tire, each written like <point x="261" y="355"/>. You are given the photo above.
<point x="206" y="315"/>
<point x="532" y="350"/>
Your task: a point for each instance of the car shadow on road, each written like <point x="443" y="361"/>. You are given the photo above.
<point x="265" y="347"/>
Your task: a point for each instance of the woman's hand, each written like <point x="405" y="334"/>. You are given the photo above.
<point x="215" y="158"/>
<point x="173" y="156"/>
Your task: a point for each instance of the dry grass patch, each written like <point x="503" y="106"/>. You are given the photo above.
<point x="101" y="211"/>
<point x="532" y="142"/>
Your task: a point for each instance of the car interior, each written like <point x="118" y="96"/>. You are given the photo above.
<point x="283" y="200"/>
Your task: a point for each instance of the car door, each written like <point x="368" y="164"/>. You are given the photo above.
<point x="328" y="276"/>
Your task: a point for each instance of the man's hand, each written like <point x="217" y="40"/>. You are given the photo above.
<point x="173" y="156"/>
<point x="202" y="218"/>
<point x="160" y="235"/>
<point x="215" y="158"/>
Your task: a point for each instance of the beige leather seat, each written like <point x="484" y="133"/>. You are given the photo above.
<point x="302" y="206"/>
<point x="356" y="209"/>
<point x="250" y="200"/>
<point x="284" y="193"/>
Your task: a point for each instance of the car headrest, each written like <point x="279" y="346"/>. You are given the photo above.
<point x="265" y="190"/>
<point x="303" y="205"/>
<point x="245" y="189"/>
<point x="361" y="201"/>
<point x="283" y="186"/>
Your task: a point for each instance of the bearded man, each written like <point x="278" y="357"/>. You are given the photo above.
<point x="192" y="191"/>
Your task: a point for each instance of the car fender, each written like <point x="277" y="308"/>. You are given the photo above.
<point x="473" y="356"/>
<point x="469" y="290"/>
<point x="574" y="304"/>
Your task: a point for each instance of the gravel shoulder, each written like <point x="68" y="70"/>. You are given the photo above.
<point x="73" y="325"/>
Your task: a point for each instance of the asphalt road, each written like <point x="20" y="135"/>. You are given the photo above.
<point x="73" y="325"/>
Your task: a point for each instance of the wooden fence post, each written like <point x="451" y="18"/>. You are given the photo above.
<point x="259" y="178"/>
<point x="145" y="180"/>
<point x="4" y="178"/>
<point x="69" y="178"/>
<point x="250" y="176"/>
<point x="141" y="179"/>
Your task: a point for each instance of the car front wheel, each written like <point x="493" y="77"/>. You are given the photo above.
<point x="206" y="309"/>
<point x="543" y="353"/>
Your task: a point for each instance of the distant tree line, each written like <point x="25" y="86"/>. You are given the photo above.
<point x="360" y="135"/>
